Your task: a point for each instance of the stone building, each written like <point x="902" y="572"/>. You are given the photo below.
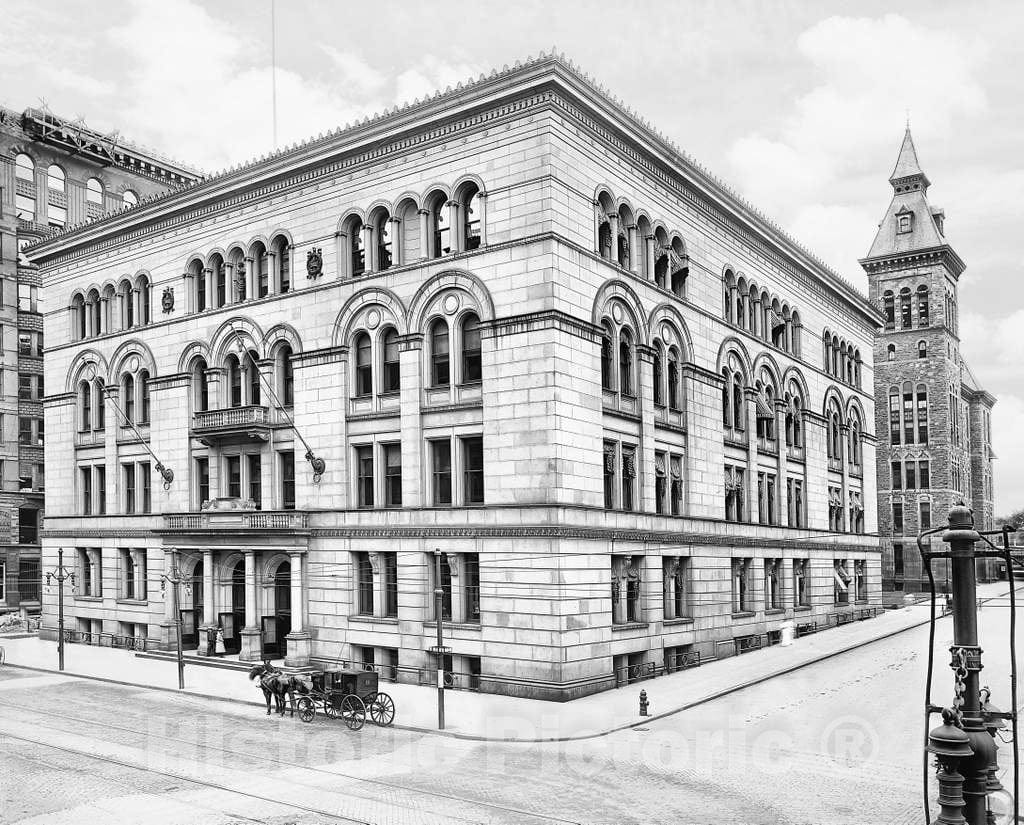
<point x="933" y="420"/>
<point x="52" y="174"/>
<point x="510" y="323"/>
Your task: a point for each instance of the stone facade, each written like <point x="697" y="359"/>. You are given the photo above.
<point x="932" y="419"/>
<point x="516" y="327"/>
<point x="52" y="174"/>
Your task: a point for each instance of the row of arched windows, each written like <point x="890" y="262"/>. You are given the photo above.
<point x="411" y="229"/>
<point x="112" y="308"/>
<point x="451" y="358"/>
<point x="761" y="314"/>
<point x="839" y="448"/>
<point x="134" y="401"/>
<point x="246" y="383"/>
<point x="644" y="247"/>
<point x="56" y="188"/>
<point x="922" y="351"/>
<point x="909" y="308"/>
<point x="256" y="271"/>
<point x="841" y="359"/>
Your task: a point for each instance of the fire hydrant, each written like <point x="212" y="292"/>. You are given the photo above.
<point x="643" y="703"/>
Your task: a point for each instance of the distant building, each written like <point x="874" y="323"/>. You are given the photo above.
<point x="53" y="174"/>
<point x="933" y="420"/>
<point x="520" y="328"/>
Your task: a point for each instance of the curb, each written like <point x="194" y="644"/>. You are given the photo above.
<point x="551" y="739"/>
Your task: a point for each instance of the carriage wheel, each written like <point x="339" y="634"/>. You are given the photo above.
<point x="382" y="710"/>
<point x="306" y="709"/>
<point x="330" y="708"/>
<point x="353" y="711"/>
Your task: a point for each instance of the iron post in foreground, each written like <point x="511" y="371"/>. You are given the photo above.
<point x="173" y="578"/>
<point x="439" y="611"/>
<point x="60" y="576"/>
<point x="966" y="663"/>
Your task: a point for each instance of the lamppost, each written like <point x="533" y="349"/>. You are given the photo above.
<point x="439" y="649"/>
<point x="61" y="575"/>
<point x="173" y="578"/>
<point x="966" y="663"/>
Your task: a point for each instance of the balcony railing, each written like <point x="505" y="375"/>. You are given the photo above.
<point x="237" y="520"/>
<point x="231" y="417"/>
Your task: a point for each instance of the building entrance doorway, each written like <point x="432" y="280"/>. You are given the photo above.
<point x="279" y="625"/>
<point x="192" y="617"/>
<point x="232" y="622"/>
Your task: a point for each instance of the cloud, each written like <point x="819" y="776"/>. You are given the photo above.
<point x="824" y="151"/>
<point x="431" y="75"/>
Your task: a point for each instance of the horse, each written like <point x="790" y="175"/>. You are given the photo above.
<point x="276" y="684"/>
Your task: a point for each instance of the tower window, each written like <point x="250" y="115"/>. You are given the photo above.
<point x="904" y="222"/>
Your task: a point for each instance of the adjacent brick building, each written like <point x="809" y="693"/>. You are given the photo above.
<point x="511" y="323"/>
<point x="52" y="174"/>
<point x="933" y="420"/>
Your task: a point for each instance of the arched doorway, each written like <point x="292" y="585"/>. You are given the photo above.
<point x="233" y="621"/>
<point x="279" y="625"/>
<point x="192" y="613"/>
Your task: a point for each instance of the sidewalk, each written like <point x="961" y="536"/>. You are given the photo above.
<point x="501" y="718"/>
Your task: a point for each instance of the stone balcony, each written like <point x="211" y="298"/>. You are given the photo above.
<point x="238" y="518"/>
<point x="232" y="425"/>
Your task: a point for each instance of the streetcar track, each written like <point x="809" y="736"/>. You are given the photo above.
<point x="184" y="778"/>
<point x="122" y="782"/>
<point x="311" y="768"/>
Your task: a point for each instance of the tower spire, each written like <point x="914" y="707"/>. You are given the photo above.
<point x="907" y="171"/>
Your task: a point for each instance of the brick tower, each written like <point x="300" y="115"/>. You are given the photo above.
<point x="932" y="419"/>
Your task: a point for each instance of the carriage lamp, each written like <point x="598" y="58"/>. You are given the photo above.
<point x="1000" y="800"/>
<point x="950" y="744"/>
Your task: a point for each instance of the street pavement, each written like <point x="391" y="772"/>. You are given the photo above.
<point x="489" y="716"/>
<point x="837" y="741"/>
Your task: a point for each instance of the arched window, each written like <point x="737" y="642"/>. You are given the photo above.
<point x="439" y="354"/>
<point x="471" y="212"/>
<point x="674" y="393"/>
<point x="438" y="226"/>
<point x="197" y="277"/>
<point x="356" y="249"/>
<point x="282" y="263"/>
<point x="24" y="168"/>
<point x="890" y="352"/>
<point x="94" y="312"/>
<point x="77" y="317"/>
<point x="100" y="416"/>
<point x="200" y="386"/>
<point x="471" y="360"/>
<point x="286" y="376"/>
<point x="659" y="376"/>
<point x="854" y="450"/>
<point x="383" y="239"/>
<point x="922" y="349"/>
<point x="129" y="198"/>
<point x="392" y="372"/>
<point x="889" y="309"/>
<point x="143" y="382"/>
<point x="220" y="284"/>
<point x="922" y="306"/>
<point x="894" y="415"/>
<point x="661" y="270"/>
<point x="261" y="269"/>
<point x="144" y="299"/>
<point x="128" y="396"/>
<point x="738" y="415"/>
<point x="622" y="247"/>
<point x="922" y="414"/>
<point x="604" y="239"/>
<point x="727" y="419"/>
<point x="85" y="403"/>
<point x="252" y="373"/>
<point x="55" y="179"/>
<point x="94" y="191"/>
<point x="127" y="298"/>
<point x="857" y="363"/>
<point x="625" y="363"/>
<point x="906" y="311"/>
<point x="680" y="268"/>
<point x="364" y="365"/>
<point x="607" y="369"/>
<point x="826" y="343"/>
<point x="234" y="370"/>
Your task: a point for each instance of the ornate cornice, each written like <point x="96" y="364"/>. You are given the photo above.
<point x="544" y="319"/>
<point x="319" y="357"/>
<point x="898" y="261"/>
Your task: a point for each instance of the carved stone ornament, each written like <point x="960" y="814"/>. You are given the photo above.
<point x="167" y="301"/>
<point x="314" y="262"/>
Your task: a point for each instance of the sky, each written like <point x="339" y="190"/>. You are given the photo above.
<point x="800" y="106"/>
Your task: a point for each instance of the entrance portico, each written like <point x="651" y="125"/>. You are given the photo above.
<point x="249" y="586"/>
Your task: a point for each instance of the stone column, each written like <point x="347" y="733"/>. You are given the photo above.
<point x="208" y="287"/>
<point x="104" y="315"/>
<point x="426" y="238"/>
<point x="137" y="307"/>
<point x="189" y="299"/>
<point x="209" y="608"/>
<point x="273" y="287"/>
<point x="634" y="249"/>
<point x="298" y="641"/>
<point x="613" y="226"/>
<point x="251" y="282"/>
<point x="645" y="459"/>
<point x="781" y="491"/>
<point x="369" y="249"/>
<point x="844" y="457"/>
<point x="649" y="255"/>
<point x="397" y="249"/>
<point x="251" y="649"/>
<point x="90" y="325"/>
<point x="481" y="200"/>
<point x="751" y="408"/>
<point x="410" y="354"/>
<point x="168" y="627"/>
<point x="455" y="228"/>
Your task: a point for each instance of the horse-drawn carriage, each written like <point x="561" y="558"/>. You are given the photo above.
<point x="348" y="695"/>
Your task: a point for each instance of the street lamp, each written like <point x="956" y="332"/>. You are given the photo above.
<point x="950" y="745"/>
<point x="1000" y="800"/>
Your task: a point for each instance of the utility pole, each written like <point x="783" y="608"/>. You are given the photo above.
<point x="173" y="578"/>
<point x="60" y="576"/>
